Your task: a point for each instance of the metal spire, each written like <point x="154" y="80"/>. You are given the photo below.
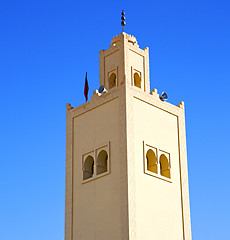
<point x="123" y="23"/>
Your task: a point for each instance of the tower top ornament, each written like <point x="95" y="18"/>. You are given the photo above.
<point x="123" y="23"/>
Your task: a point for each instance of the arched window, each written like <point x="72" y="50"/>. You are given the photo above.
<point x="164" y="166"/>
<point x="88" y="168"/>
<point x="102" y="162"/>
<point x="151" y="161"/>
<point x="112" y="80"/>
<point x="137" y="80"/>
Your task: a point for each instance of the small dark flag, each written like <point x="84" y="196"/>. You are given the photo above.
<point x="86" y="89"/>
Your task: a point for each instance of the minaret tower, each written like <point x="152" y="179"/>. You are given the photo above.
<point x="126" y="160"/>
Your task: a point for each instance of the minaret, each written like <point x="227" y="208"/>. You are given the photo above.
<point x="126" y="160"/>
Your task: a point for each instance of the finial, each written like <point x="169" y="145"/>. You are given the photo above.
<point x="123" y="23"/>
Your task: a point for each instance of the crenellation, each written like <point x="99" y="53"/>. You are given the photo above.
<point x="181" y="105"/>
<point x="69" y="107"/>
<point x="95" y="95"/>
<point x="154" y="91"/>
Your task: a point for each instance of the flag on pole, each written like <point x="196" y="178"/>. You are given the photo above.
<point x="86" y="89"/>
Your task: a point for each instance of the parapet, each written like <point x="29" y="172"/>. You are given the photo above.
<point x="130" y="38"/>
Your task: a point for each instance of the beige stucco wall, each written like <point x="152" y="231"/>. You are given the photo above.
<point x="97" y="204"/>
<point x="158" y="202"/>
<point x="97" y="209"/>
<point x="111" y="63"/>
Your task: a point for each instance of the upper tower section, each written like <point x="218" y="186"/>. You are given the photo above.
<point x="124" y="63"/>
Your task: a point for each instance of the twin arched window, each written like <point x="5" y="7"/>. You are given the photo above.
<point x="91" y="170"/>
<point x="161" y="166"/>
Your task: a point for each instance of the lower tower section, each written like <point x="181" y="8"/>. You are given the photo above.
<point x="157" y="168"/>
<point x="97" y="191"/>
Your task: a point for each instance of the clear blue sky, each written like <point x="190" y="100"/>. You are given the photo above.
<point x="45" y="49"/>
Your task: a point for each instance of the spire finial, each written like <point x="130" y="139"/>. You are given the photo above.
<point x="123" y="23"/>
